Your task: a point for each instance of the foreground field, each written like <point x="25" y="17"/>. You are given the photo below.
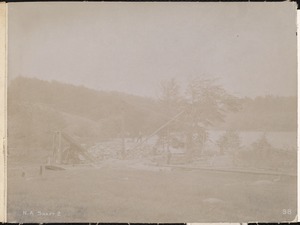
<point x="119" y="193"/>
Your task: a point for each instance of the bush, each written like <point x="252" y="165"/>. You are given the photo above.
<point x="229" y="142"/>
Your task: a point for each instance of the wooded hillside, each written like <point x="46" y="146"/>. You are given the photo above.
<point x="36" y="108"/>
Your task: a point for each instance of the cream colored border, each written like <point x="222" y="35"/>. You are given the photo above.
<point x="298" y="142"/>
<point x="3" y="111"/>
<point x="3" y="115"/>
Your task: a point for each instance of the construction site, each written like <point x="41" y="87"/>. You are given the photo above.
<point x="161" y="177"/>
<point x="85" y="155"/>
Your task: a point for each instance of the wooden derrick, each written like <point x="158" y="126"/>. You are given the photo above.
<point x="70" y="154"/>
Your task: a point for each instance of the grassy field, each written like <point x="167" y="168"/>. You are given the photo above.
<point x="118" y="193"/>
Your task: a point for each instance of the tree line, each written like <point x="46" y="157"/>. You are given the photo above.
<point x="37" y="108"/>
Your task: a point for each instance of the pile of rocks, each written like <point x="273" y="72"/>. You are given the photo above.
<point x="106" y="149"/>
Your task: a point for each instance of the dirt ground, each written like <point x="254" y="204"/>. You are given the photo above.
<point x="120" y="193"/>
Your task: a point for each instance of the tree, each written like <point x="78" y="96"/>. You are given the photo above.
<point x="170" y="93"/>
<point x="206" y="103"/>
<point x="229" y="142"/>
<point x="262" y="147"/>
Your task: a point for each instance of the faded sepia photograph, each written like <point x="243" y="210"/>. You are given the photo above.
<point x="152" y="112"/>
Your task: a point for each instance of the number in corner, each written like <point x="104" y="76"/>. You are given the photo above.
<point x="287" y="212"/>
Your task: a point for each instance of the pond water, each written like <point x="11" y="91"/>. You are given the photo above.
<point x="283" y="140"/>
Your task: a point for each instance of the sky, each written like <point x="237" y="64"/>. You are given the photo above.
<point x="130" y="47"/>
